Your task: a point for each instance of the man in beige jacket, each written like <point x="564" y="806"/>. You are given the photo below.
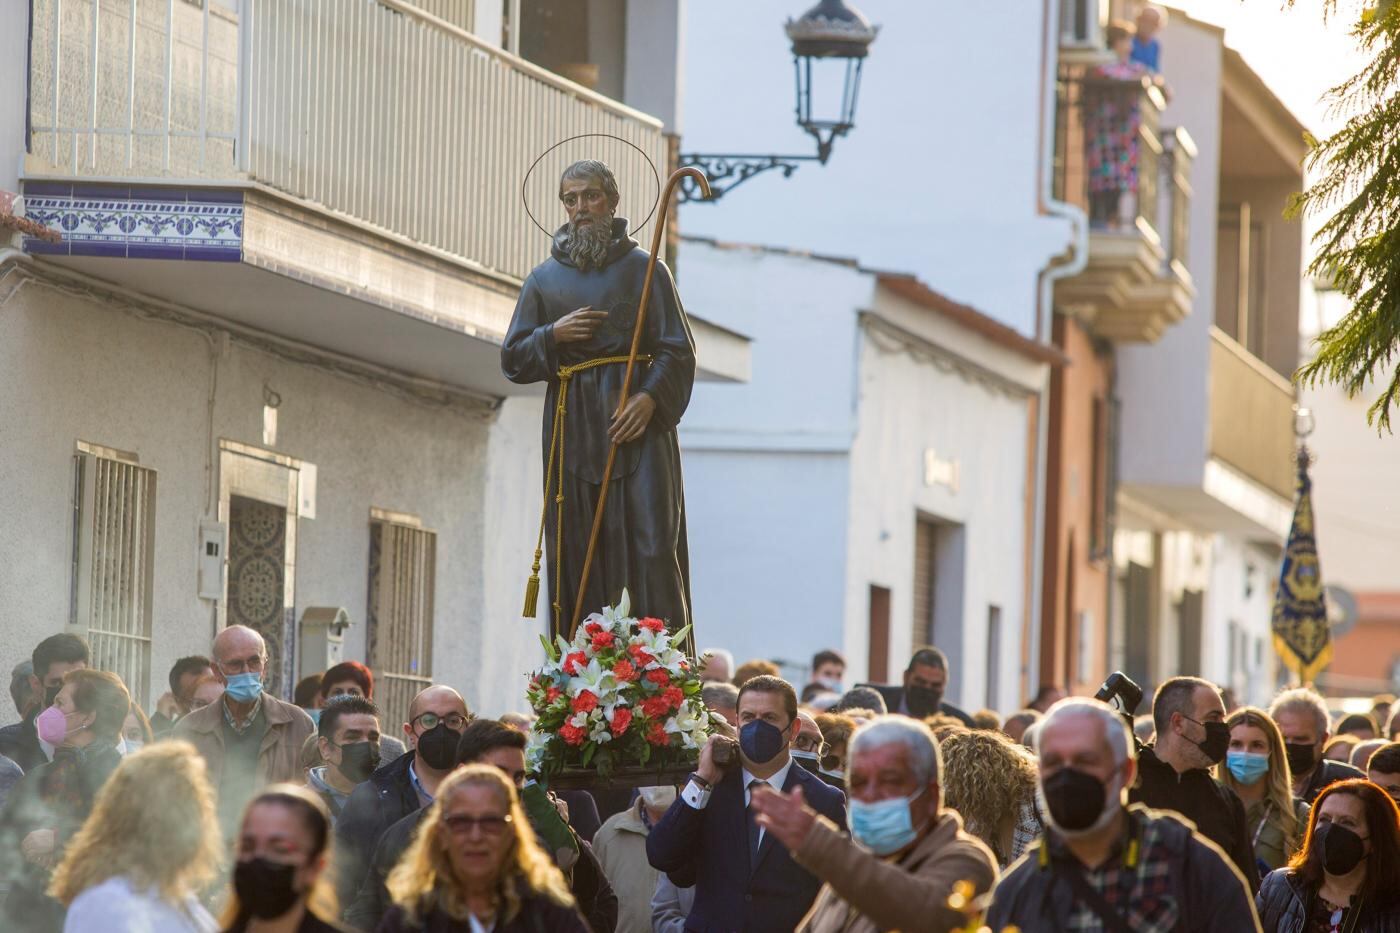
<point x="903" y="859"/>
<point x="247" y="738"/>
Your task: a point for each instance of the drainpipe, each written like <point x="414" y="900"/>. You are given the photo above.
<point x="1064" y="265"/>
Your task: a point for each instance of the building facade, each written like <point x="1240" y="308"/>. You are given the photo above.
<point x="259" y="373"/>
<point x="870" y="489"/>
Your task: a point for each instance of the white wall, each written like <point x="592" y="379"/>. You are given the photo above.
<point x="14" y="68"/>
<point x="1164" y="386"/>
<point x="1241" y="592"/>
<point x="907" y="406"/>
<point x="939" y="176"/>
<point x="73" y="368"/>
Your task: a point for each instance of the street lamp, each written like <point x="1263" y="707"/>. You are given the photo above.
<point x="829" y="45"/>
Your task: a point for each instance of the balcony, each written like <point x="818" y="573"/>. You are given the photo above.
<point x="1135" y="282"/>
<point x="1251" y="416"/>
<point x="347" y="175"/>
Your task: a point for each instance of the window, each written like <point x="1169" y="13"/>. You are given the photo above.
<point x="1081" y="22"/>
<point x="114" y="510"/>
<point x="993" y="657"/>
<point x="925" y="580"/>
<point x="402" y="571"/>
<point x="879" y="669"/>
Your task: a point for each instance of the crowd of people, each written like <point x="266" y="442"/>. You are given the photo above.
<point x="873" y="807"/>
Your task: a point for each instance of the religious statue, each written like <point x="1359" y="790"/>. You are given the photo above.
<point x="573" y="329"/>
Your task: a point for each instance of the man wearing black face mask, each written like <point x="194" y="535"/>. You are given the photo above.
<point x="745" y="879"/>
<point x="1302" y="719"/>
<point x="921" y="694"/>
<point x="1106" y="867"/>
<point x="52" y="658"/>
<point x="437" y="717"/>
<point x="348" y="740"/>
<point x="1174" y="774"/>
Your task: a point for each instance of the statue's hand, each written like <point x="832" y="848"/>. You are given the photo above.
<point x="578" y="326"/>
<point x="632" y="421"/>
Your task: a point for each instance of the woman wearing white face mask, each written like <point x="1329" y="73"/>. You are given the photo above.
<point x="52" y="801"/>
<point x="621" y="847"/>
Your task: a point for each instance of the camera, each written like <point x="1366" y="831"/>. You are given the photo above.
<point x="1119" y="686"/>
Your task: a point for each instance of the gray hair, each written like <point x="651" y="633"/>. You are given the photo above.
<point x="589" y="170"/>
<point x="862" y="698"/>
<point x="1115" y="730"/>
<point x="894" y="729"/>
<point x="719" y="694"/>
<point x="1303" y="700"/>
<point x="726" y="656"/>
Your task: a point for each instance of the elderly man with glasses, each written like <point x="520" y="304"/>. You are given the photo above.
<point x="436" y="718"/>
<point x="248" y="739"/>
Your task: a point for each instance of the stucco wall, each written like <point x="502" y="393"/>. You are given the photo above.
<point x="75" y="368"/>
<point x="908" y="406"/>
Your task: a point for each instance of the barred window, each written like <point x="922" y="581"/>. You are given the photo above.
<point x="114" y="510"/>
<point x="402" y="571"/>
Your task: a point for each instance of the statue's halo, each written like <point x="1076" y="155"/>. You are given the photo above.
<point x="626" y="173"/>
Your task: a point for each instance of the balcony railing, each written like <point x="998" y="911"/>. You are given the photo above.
<point x="1178" y="154"/>
<point x="1108" y="149"/>
<point x="1251" y="415"/>
<point x="373" y="110"/>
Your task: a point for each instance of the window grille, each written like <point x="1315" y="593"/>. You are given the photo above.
<point x="402" y="571"/>
<point x="114" y="506"/>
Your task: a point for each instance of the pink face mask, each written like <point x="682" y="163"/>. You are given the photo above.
<point x="52" y="725"/>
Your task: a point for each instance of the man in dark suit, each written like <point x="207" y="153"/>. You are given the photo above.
<point x="921" y="695"/>
<point x="745" y="879"/>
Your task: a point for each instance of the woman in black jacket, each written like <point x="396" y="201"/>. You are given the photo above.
<point x="1346" y="878"/>
<point x="474" y="864"/>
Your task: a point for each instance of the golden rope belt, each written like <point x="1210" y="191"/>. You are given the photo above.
<point x="556" y="454"/>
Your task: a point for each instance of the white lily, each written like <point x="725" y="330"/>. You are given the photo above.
<point x="601" y="732"/>
<point x="535" y="751"/>
<point x="593" y="678"/>
<point x="689" y="724"/>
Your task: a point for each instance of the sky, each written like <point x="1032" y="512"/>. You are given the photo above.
<point x="1298" y="55"/>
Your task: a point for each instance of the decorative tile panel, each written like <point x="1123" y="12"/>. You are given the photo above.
<point x="137" y="223"/>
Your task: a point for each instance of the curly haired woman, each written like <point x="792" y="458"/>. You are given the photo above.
<point x="991" y="782"/>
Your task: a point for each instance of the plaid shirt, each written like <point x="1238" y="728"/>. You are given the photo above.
<point x="241" y="725"/>
<point x="1142" y="894"/>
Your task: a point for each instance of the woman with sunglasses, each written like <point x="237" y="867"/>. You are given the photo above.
<point x="474" y="865"/>
<point x="1346" y="878"/>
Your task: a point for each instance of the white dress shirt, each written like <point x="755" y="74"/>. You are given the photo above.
<point x="699" y="797"/>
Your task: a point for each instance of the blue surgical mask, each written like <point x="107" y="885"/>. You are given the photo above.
<point x="883" y="827"/>
<point x="1247" y="767"/>
<point x="245" y="687"/>
<point x="761" y="741"/>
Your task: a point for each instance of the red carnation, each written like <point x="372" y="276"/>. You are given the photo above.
<point x="624" y="671"/>
<point x="572" y="734"/>
<point x="622" y="718"/>
<point x="656" y="707"/>
<point x="656" y="735"/>
<point x="573" y="662"/>
<point x="652" y="625"/>
<point x="659" y="677"/>
<point x="585" y="702"/>
<point x="674" y="697"/>
<point x="552" y="694"/>
<point x="640" y="656"/>
<point x="593" y="628"/>
<point x="602" y="640"/>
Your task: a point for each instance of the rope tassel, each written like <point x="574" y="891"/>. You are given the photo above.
<point x="532" y="590"/>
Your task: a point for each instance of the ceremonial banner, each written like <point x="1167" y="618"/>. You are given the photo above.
<point x="1301" y="635"/>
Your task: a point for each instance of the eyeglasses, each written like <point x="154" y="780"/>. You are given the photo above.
<point x="808" y="743"/>
<point x="489" y="825"/>
<point x="249" y="665"/>
<point x="429" y="721"/>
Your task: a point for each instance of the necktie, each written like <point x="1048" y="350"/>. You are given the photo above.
<point x="755" y="831"/>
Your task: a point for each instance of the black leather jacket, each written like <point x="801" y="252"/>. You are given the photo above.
<point x="1284" y="902"/>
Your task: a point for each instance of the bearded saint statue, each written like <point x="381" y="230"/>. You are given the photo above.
<point x="572" y="329"/>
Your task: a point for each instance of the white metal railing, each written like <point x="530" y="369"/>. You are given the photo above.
<point x="373" y="109"/>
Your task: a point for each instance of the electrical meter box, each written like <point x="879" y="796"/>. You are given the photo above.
<point x="321" y="634"/>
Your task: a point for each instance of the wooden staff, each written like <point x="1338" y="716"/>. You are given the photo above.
<point x="656" y="236"/>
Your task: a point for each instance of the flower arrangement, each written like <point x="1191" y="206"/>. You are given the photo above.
<point x="620" y="694"/>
